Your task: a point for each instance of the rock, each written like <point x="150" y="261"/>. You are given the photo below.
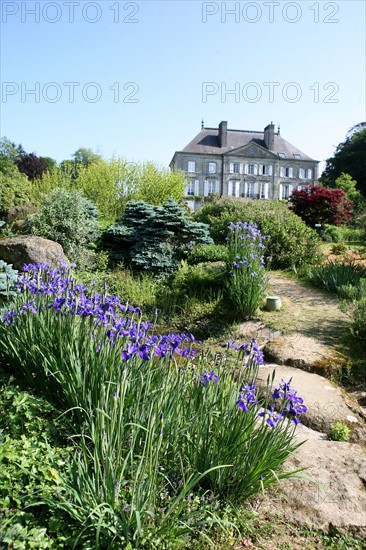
<point x="304" y="352"/>
<point x="256" y="330"/>
<point x="20" y="212"/>
<point x="334" y="497"/>
<point x="28" y="249"/>
<point x="326" y="402"/>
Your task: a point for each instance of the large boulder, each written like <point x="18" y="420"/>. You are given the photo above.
<point x="28" y="249"/>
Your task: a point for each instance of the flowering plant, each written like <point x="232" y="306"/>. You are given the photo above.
<point x="247" y="277"/>
<point x="153" y="418"/>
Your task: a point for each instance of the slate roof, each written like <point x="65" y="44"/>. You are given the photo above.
<point x="207" y="142"/>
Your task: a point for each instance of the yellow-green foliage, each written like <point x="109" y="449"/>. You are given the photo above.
<point x="111" y="184"/>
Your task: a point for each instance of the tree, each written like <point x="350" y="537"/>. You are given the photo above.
<point x="85" y="157"/>
<point x="153" y="238"/>
<point x="32" y="166"/>
<point x="8" y="153"/>
<point x="50" y="163"/>
<point x="349" y="186"/>
<point x="317" y="204"/>
<point x="349" y="158"/>
<point x="112" y="184"/>
<point x="81" y="158"/>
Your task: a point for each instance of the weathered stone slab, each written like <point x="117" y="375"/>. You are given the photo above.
<point x="304" y="352"/>
<point x="335" y="496"/>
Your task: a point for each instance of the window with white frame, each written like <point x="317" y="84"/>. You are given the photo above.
<point x="235" y="168"/>
<point x="191" y="166"/>
<point x="212" y="167"/>
<point x="286" y="191"/>
<point x="287" y="171"/>
<point x="190" y="188"/>
<point x="263" y="191"/>
<point x="309" y="174"/>
<point x="266" y="170"/>
<point x="250" y="190"/>
<point x="210" y="187"/>
<point x="302" y="173"/>
<point x="233" y="188"/>
<point x="251" y="168"/>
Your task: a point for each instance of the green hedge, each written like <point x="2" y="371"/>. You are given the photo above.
<point x="290" y="243"/>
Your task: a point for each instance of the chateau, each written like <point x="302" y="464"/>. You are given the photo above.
<point x="243" y="163"/>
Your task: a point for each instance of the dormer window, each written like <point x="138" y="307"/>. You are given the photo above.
<point x="282" y="155"/>
<point x="296" y="156"/>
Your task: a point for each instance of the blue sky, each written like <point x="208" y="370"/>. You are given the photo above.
<point x="134" y="79"/>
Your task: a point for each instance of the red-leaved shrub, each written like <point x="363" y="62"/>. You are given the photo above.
<point x="316" y="204"/>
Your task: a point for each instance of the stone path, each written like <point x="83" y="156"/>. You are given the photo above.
<point x="333" y="491"/>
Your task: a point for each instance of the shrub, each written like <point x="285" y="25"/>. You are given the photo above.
<point x="246" y="276"/>
<point x="207" y="253"/>
<point x="197" y="280"/>
<point x="290" y="243"/>
<point x="339" y="432"/>
<point x="157" y="424"/>
<point x="15" y="189"/>
<point x="153" y="238"/>
<point x="336" y="234"/>
<point x="331" y="233"/>
<point x="339" y="248"/>
<point x="68" y="218"/>
<point x="334" y="275"/>
<point x="317" y="204"/>
<point x="359" y="318"/>
<point x="32" y="443"/>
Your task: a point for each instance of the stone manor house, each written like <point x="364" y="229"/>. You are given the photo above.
<point x="243" y="163"/>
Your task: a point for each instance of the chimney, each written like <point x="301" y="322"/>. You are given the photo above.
<point x="269" y="136"/>
<point x="223" y="133"/>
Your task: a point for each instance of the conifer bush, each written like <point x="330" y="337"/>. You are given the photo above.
<point x="153" y="238"/>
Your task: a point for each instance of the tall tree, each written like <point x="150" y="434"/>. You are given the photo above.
<point x="8" y="153"/>
<point x="111" y="184"/>
<point x="86" y="156"/>
<point x="82" y="158"/>
<point x="349" y="158"/>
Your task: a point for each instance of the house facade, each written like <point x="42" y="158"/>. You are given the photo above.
<point x="241" y="163"/>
